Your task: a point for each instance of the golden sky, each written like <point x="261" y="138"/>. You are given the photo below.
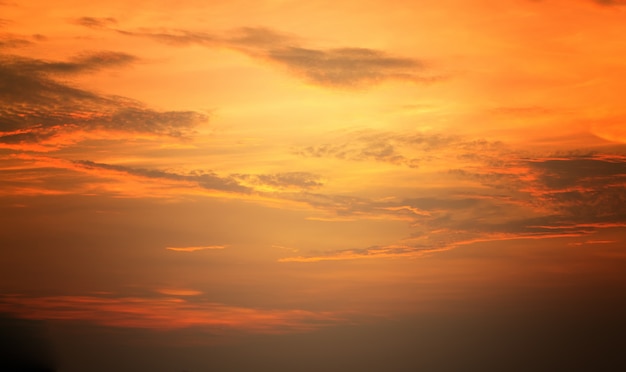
<point x="230" y="174"/>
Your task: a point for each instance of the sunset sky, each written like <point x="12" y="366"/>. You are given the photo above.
<point x="279" y="185"/>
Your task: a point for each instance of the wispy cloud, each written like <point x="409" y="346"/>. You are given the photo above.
<point x="165" y="313"/>
<point x="96" y="22"/>
<point x="401" y="148"/>
<point x="207" y="180"/>
<point x="179" y="292"/>
<point x="346" y="67"/>
<point x="196" y="248"/>
<point x="282" y="181"/>
<point x="415" y="251"/>
<point x="13" y="41"/>
<point x="610" y="2"/>
<point x="77" y="65"/>
<point x="39" y="109"/>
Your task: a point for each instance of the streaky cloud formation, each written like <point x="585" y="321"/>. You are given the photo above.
<point x="334" y="68"/>
<point x="205" y="180"/>
<point x="179" y="292"/>
<point x="407" y="149"/>
<point x="13" y="41"/>
<point x="610" y="2"/>
<point x="165" y="313"/>
<point x="283" y="181"/>
<point x="96" y="22"/>
<point x="217" y="182"/>
<point x="77" y="65"/>
<point x="195" y="249"/>
<point x="41" y="110"/>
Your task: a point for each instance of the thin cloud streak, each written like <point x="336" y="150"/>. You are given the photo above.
<point x="179" y="292"/>
<point x="95" y="22"/>
<point x="195" y="249"/>
<point x="407" y="251"/>
<point x="41" y="112"/>
<point x="347" y="68"/>
<point x="166" y="313"/>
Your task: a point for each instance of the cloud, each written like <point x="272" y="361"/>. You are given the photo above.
<point x="13" y="41"/>
<point x="178" y="292"/>
<point x="39" y="109"/>
<point x="566" y="190"/>
<point x="510" y="195"/>
<point x="420" y="248"/>
<point x="79" y="64"/>
<point x="583" y="188"/>
<point x="196" y="248"/>
<point x="347" y="67"/>
<point x="207" y="180"/>
<point x="282" y="181"/>
<point x="375" y="252"/>
<point x="606" y="3"/>
<point x="401" y="148"/>
<point x="96" y="22"/>
<point x="165" y="313"/>
<point x="610" y="2"/>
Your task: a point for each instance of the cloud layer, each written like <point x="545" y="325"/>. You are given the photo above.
<point x="41" y="109"/>
<point x="348" y="67"/>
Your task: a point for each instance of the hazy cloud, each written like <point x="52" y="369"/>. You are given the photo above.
<point x="407" y="149"/>
<point x="13" y="41"/>
<point x="37" y="106"/>
<point x="179" y="292"/>
<point x="284" y="180"/>
<point x="522" y="197"/>
<point x="196" y="248"/>
<point x="610" y="2"/>
<point x="79" y="64"/>
<point x="583" y="188"/>
<point x="568" y="189"/>
<point x="164" y="313"/>
<point x="348" y="67"/>
<point x="96" y="22"/>
<point x="205" y="180"/>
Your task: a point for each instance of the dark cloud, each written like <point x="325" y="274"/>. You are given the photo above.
<point x="347" y="67"/>
<point x="36" y="105"/>
<point x="336" y="67"/>
<point x="284" y="180"/>
<point x="80" y="64"/>
<point x="607" y="3"/>
<point x="207" y="180"/>
<point x="382" y="147"/>
<point x="407" y="149"/>
<point x="571" y="189"/>
<point x="12" y="41"/>
<point x="583" y="188"/>
<point x="180" y="38"/>
<point x="96" y="22"/>
<point x="531" y="197"/>
<point x="610" y="2"/>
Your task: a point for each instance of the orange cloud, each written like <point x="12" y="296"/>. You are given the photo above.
<point x="164" y="313"/>
<point x="407" y="251"/>
<point x="178" y="292"/>
<point x="194" y="249"/>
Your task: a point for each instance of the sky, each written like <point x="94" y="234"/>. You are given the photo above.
<point x="282" y="185"/>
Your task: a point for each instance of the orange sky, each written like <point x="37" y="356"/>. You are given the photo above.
<point x="261" y="168"/>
